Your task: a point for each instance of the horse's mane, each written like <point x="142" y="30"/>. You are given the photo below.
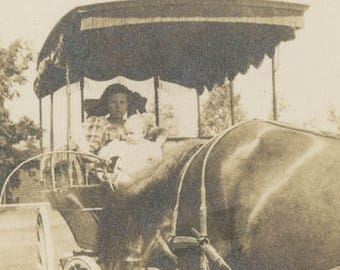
<point x="151" y="199"/>
<point x="175" y="155"/>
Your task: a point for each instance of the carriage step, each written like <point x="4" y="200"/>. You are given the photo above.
<point x="88" y="253"/>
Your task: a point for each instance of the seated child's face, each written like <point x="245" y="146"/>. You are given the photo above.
<point x="135" y="130"/>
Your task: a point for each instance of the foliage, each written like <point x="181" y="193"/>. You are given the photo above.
<point x="312" y="124"/>
<point x="282" y="105"/>
<point x="216" y="111"/>
<point x="167" y="118"/>
<point x="14" y="61"/>
<point x="17" y="139"/>
<point x="335" y="119"/>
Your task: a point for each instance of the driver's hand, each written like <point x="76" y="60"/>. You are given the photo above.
<point x="73" y="146"/>
<point x="107" y="162"/>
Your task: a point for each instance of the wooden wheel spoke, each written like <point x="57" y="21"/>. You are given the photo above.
<point x="44" y="241"/>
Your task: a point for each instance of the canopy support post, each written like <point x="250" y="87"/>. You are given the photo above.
<point x="40" y="126"/>
<point x="51" y="123"/>
<point x="274" y="88"/>
<point x="52" y="139"/>
<point x="68" y="129"/>
<point x="68" y="107"/>
<point x="198" y="101"/>
<point x="41" y="141"/>
<point x="81" y="83"/>
<point x="232" y="102"/>
<point x="156" y="86"/>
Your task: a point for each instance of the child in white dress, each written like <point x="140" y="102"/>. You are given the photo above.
<point x="138" y="156"/>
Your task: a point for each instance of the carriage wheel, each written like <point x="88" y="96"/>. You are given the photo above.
<point x="44" y="237"/>
<point x="81" y="263"/>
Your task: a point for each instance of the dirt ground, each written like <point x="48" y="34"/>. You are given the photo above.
<point x="18" y="238"/>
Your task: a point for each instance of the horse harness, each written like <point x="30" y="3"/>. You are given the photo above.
<point x="198" y="239"/>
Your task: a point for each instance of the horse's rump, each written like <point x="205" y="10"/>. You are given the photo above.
<point x="272" y="197"/>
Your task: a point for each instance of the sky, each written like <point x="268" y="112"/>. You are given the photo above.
<point x="308" y="75"/>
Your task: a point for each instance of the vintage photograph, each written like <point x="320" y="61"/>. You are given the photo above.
<point x="169" y="135"/>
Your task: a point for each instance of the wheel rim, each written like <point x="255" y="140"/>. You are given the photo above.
<point x="81" y="263"/>
<point x="44" y="241"/>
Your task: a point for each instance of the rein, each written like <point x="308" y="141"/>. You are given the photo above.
<point x="199" y="239"/>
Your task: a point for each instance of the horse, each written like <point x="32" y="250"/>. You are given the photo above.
<point x="269" y="194"/>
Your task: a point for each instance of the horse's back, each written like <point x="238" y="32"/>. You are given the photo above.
<point x="273" y="197"/>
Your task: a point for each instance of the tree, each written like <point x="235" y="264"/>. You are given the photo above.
<point x="167" y="118"/>
<point x="216" y="111"/>
<point x="334" y="118"/>
<point x="311" y="124"/>
<point x="282" y="105"/>
<point x="17" y="139"/>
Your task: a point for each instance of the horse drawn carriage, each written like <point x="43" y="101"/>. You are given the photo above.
<point x="260" y="195"/>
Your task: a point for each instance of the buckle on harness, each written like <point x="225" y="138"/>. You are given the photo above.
<point x="201" y="241"/>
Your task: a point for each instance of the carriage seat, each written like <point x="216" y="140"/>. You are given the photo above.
<point x="81" y="207"/>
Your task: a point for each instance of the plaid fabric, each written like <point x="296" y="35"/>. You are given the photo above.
<point x="99" y="132"/>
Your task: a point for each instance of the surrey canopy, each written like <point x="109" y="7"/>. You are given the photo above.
<point x="194" y="43"/>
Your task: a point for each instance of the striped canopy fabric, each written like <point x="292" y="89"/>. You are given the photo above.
<point x="194" y="43"/>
